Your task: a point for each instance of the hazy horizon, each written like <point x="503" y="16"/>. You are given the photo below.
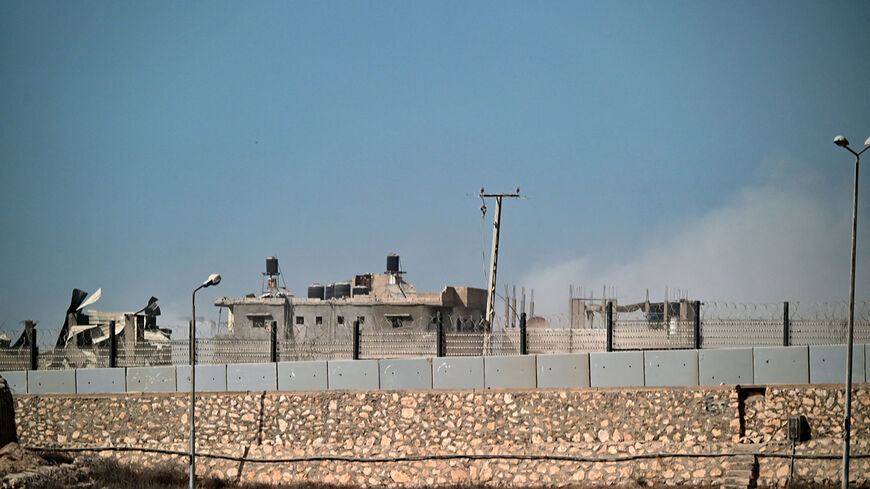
<point x="686" y="145"/>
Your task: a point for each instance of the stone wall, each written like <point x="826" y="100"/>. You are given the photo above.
<point x="371" y="424"/>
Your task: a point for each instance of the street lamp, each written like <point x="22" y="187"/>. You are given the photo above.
<point x="213" y="279"/>
<point x="847" y="421"/>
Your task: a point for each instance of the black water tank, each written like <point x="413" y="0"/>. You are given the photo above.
<point x="271" y="266"/>
<point x="392" y="263"/>
<point x="342" y="289"/>
<point x="329" y="292"/>
<point x="315" y="291"/>
<point x="360" y="290"/>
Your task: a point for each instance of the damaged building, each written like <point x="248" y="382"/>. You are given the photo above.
<point x="378" y="301"/>
<point x="139" y="339"/>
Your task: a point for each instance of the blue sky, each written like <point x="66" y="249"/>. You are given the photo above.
<point x="145" y="146"/>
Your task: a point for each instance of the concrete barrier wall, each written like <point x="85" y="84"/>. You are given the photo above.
<point x="151" y="379"/>
<point x="406" y="373"/>
<point x="729" y="366"/>
<point x="654" y="368"/>
<point x="457" y="373"/>
<point x="353" y="375"/>
<point x="510" y="372"/>
<point x="567" y="371"/>
<point x="670" y="368"/>
<point x="100" y="380"/>
<point x="781" y="365"/>
<point x="51" y="381"/>
<point x="302" y="376"/>
<point x="252" y="377"/>
<point x="828" y="364"/>
<point x="16" y="381"/>
<point x="616" y="369"/>
<point x="209" y="378"/>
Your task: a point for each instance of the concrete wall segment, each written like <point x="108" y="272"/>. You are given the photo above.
<point x="510" y="372"/>
<point x="16" y="381"/>
<point x="151" y="379"/>
<point x="781" y="365"/>
<point x="353" y="375"/>
<point x="568" y="371"/>
<point x="100" y="380"/>
<point x="457" y="373"/>
<point x="616" y="369"/>
<point x="209" y="378"/>
<point x="676" y="368"/>
<point x="729" y="366"/>
<point x="302" y="376"/>
<point x="252" y="377"/>
<point x="828" y="364"/>
<point x="405" y="373"/>
<point x="51" y="381"/>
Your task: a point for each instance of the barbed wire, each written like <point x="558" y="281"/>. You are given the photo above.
<point x="741" y="310"/>
<point x="723" y="324"/>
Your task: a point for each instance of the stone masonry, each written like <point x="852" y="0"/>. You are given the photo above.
<point x="594" y="423"/>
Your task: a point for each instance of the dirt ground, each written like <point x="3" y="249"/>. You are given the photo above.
<point x="93" y="472"/>
<point x="15" y="459"/>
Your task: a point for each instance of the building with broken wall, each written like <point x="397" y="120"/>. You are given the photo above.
<point x="84" y="333"/>
<point x="379" y="302"/>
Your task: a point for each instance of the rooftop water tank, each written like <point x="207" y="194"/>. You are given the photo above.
<point x="271" y="266"/>
<point x="315" y="291"/>
<point x="329" y="292"/>
<point x="392" y="263"/>
<point x="360" y="290"/>
<point x="342" y="289"/>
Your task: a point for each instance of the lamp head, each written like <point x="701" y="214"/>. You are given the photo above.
<point x="841" y="141"/>
<point x="867" y="142"/>
<point x="213" y="279"/>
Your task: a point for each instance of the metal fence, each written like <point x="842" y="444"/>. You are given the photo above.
<point x="715" y="325"/>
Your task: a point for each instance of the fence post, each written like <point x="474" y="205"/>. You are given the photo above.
<point x="356" y="340"/>
<point x="609" y="346"/>
<point x="524" y="343"/>
<point x="113" y="346"/>
<point x="273" y="343"/>
<point x="34" y="350"/>
<point x="785" y="324"/>
<point x="440" y="348"/>
<point x="697" y="325"/>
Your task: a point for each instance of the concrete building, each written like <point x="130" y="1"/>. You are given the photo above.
<point x="378" y="301"/>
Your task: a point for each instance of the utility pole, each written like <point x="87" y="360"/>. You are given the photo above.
<point x="493" y="268"/>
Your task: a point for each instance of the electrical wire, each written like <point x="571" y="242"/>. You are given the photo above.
<point x="452" y="456"/>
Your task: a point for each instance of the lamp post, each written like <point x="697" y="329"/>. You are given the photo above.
<point x="213" y="279"/>
<point x="847" y="417"/>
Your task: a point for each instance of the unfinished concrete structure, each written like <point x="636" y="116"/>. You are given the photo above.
<point x="377" y="300"/>
<point x="588" y="313"/>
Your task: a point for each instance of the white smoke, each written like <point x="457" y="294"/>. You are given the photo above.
<point x="767" y="243"/>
